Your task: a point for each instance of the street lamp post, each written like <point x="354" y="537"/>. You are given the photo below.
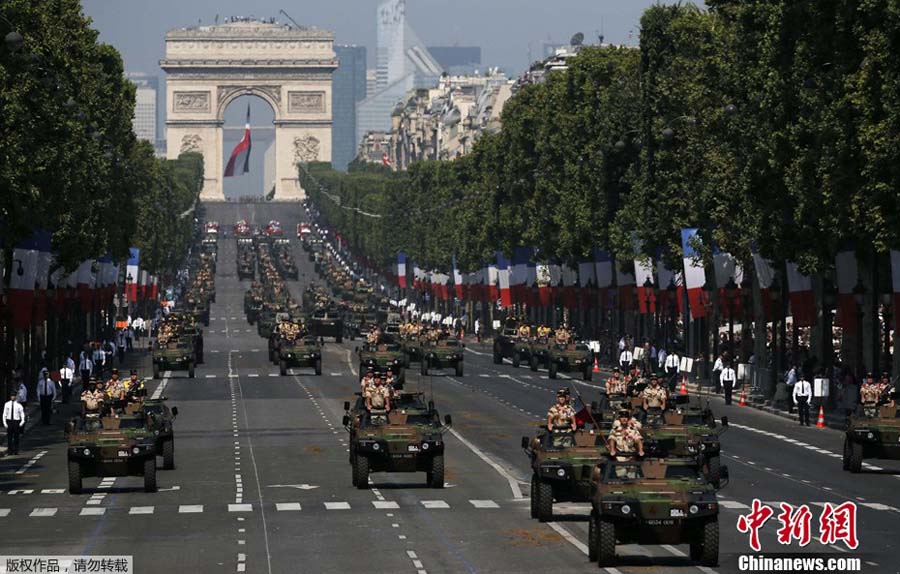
<point x="672" y="302"/>
<point x="706" y="300"/>
<point x="780" y="395"/>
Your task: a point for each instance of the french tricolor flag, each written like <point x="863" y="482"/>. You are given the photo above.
<point x="457" y="279"/>
<point x="503" y="280"/>
<point x="895" y="276"/>
<point x="22" y="282"/>
<point x="401" y="269"/>
<point x="131" y="274"/>
<point x="765" y="274"/>
<point x="240" y="155"/>
<point x="694" y="273"/>
<point x="604" y="273"/>
<point x="803" y="305"/>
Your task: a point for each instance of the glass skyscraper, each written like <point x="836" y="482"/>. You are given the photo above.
<point x="348" y="89"/>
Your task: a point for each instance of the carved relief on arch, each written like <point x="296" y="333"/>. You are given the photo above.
<point x="272" y="94"/>
<point x="191" y="142"/>
<point x="306" y="148"/>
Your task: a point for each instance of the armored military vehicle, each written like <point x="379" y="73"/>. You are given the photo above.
<point x="383" y="357"/>
<point x="412" y="348"/>
<point x="539" y="353"/>
<point x="872" y="437"/>
<point x="687" y="436"/>
<point x="443" y="354"/>
<point x="111" y="446"/>
<point x="163" y="429"/>
<point x="655" y="501"/>
<point x="573" y="357"/>
<point x="508" y="343"/>
<point x="407" y="439"/>
<point x="301" y="352"/>
<point x="174" y="355"/>
<point x="327" y="323"/>
<point x="561" y="466"/>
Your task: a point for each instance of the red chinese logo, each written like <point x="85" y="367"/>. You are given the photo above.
<point x="759" y="515"/>
<point x="794" y="524"/>
<point x="836" y="524"/>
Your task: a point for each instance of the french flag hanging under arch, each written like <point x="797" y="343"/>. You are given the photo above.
<point x="240" y="156"/>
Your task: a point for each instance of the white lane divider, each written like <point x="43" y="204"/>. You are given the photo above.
<point x="31" y="462"/>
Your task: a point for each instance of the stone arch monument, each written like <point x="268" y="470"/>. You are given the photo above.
<point x="207" y="67"/>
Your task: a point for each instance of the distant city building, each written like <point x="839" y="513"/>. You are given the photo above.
<point x="457" y="60"/>
<point x="439" y="123"/>
<point x="348" y="89"/>
<point x="371" y="83"/>
<point x="146" y="106"/>
<point x="403" y="64"/>
<point x="550" y="49"/>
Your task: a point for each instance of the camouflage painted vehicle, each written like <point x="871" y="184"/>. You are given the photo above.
<point x="872" y="437"/>
<point x="252" y="306"/>
<point x="246" y="269"/>
<point x="443" y="354"/>
<point x="108" y="446"/>
<point x="198" y="310"/>
<point x="508" y="343"/>
<point x="301" y="352"/>
<point x="209" y="245"/>
<point x="163" y="432"/>
<point x="327" y="323"/>
<point x="561" y="465"/>
<point x="539" y="353"/>
<point x="690" y="436"/>
<point x="571" y="358"/>
<point x="408" y="439"/>
<point x="175" y="355"/>
<point x="384" y="357"/>
<point x="266" y="322"/>
<point x="194" y="334"/>
<point x="412" y="348"/>
<point x="659" y="501"/>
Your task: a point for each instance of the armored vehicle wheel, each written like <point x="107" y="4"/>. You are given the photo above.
<point x="606" y="542"/>
<point x="436" y="474"/>
<point x="855" y="457"/>
<point x="706" y="549"/>
<point x="424" y="367"/>
<point x="847" y="452"/>
<point x="168" y="454"/>
<point x="155" y="371"/>
<point x="516" y="360"/>
<point x="319" y="366"/>
<point x="282" y="367"/>
<point x="534" y="495"/>
<point x="533" y="363"/>
<point x="271" y="355"/>
<point x="339" y="339"/>
<point x="545" y="501"/>
<point x="361" y="472"/>
<point x="593" y="529"/>
<point x="459" y="369"/>
<point x="552" y="369"/>
<point x="150" y="474"/>
<point x="588" y="373"/>
<point x="191" y="369"/>
<point x="74" y="477"/>
<point x="714" y="470"/>
<point x="498" y="358"/>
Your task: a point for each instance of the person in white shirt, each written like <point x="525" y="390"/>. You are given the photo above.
<point x="802" y="398"/>
<point x="718" y="367"/>
<point x="661" y="359"/>
<point x="46" y="390"/>
<point x="66" y="376"/>
<point x="22" y="393"/>
<point x="13" y="422"/>
<point x="626" y="357"/>
<point x="86" y="367"/>
<point x="728" y="379"/>
<point x="671" y="366"/>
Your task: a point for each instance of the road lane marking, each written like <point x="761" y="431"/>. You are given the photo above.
<point x="513" y="482"/>
<point x="240" y="508"/>
<point x="337" y="506"/>
<point x="385" y="504"/>
<point x="141" y="510"/>
<point x="283" y="506"/>
<point x="92" y="512"/>
<point x="484" y="504"/>
<point x="43" y="512"/>
<point x="190" y="508"/>
<point x="434" y="504"/>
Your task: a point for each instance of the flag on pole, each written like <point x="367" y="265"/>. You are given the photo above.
<point x="131" y="274"/>
<point x="240" y="155"/>
<point x="803" y="304"/>
<point x="895" y="279"/>
<point x="694" y="273"/>
<point x="847" y="274"/>
<point x="457" y="280"/>
<point x="401" y="269"/>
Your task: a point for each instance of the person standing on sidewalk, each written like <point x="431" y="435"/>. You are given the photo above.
<point x="86" y="368"/>
<point x="120" y="345"/>
<point x="13" y="422"/>
<point x="46" y="390"/>
<point x="477" y="330"/>
<point x="66" y="378"/>
<point x="790" y="381"/>
<point x="802" y="398"/>
<point x="728" y="378"/>
<point x="718" y="367"/>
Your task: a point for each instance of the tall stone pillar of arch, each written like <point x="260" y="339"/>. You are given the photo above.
<point x="207" y="67"/>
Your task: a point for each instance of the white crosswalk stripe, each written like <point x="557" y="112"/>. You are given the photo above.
<point x="385" y="504"/>
<point x="484" y="504"/>
<point x="337" y="506"/>
<point x="434" y="504"/>
<point x="141" y="510"/>
<point x="282" y="506"/>
<point x="43" y="512"/>
<point x="4" y="512"/>
<point x="92" y="511"/>
<point x="190" y="508"/>
<point x="734" y="504"/>
<point x="240" y="508"/>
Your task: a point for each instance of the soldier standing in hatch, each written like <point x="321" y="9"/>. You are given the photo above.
<point x="624" y="442"/>
<point x="561" y="416"/>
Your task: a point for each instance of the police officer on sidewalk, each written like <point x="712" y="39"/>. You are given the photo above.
<point x="728" y="378"/>
<point x="14" y="422"/>
<point x="46" y="390"/>
<point x="802" y="398"/>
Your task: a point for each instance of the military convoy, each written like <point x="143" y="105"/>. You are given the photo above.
<point x="443" y="354"/>
<point x="384" y="357"/>
<point x="111" y="446"/>
<point x="300" y="352"/>
<point x="327" y="323"/>
<point x="572" y="357"/>
<point x="409" y="438"/>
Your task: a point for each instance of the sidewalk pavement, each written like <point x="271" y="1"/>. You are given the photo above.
<point x="136" y="359"/>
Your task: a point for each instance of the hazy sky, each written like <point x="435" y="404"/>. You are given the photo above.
<point x="503" y="28"/>
<point x="506" y="30"/>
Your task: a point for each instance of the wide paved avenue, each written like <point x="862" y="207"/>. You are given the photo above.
<point x="262" y="481"/>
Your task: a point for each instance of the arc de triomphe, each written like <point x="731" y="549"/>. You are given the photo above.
<point x="207" y="67"/>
